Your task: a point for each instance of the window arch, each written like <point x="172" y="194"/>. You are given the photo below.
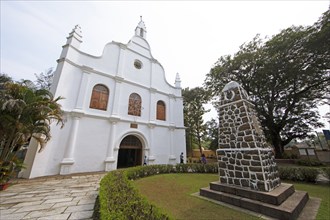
<point x="161" y="111"/>
<point x="100" y="96"/>
<point x="134" y="104"/>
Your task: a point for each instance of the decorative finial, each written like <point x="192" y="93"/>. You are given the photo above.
<point x="141" y="17"/>
<point x="177" y="81"/>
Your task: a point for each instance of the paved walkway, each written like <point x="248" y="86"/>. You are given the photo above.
<point x="56" y="197"/>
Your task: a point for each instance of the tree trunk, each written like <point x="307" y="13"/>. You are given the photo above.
<point x="200" y="146"/>
<point x="277" y="143"/>
<point x="8" y="146"/>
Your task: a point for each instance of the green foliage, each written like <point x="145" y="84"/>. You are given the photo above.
<point x="309" y="162"/>
<point x="9" y="169"/>
<point x="317" y="191"/>
<point x="45" y="79"/>
<point x="118" y="199"/>
<point x="286" y="77"/>
<point x="25" y="113"/>
<point x="298" y="174"/>
<point x="326" y="171"/>
<point x="289" y="155"/>
<point x="193" y="109"/>
<point x="213" y="134"/>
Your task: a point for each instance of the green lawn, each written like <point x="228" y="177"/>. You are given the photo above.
<point x="172" y="193"/>
<point x="318" y="191"/>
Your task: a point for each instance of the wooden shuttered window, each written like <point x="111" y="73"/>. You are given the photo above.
<point x="134" y="104"/>
<point x="161" y="111"/>
<point x="100" y="97"/>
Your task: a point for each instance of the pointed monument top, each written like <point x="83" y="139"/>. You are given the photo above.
<point x="230" y="85"/>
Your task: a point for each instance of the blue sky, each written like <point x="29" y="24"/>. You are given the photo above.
<point x="185" y="36"/>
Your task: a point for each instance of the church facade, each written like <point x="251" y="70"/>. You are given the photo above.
<point x="119" y="110"/>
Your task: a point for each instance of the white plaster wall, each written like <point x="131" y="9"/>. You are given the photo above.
<point x="68" y="87"/>
<point x="47" y="162"/>
<point x="138" y="76"/>
<point x="139" y="45"/>
<point x="106" y="63"/>
<point x="91" y="146"/>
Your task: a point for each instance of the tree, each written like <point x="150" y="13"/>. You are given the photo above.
<point x="25" y="112"/>
<point x="45" y="79"/>
<point x="3" y="79"/>
<point x="193" y="100"/>
<point x="286" y="77"/>
<point x="212" y="128"/>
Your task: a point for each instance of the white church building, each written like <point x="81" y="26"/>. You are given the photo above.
<point x="118" y="109"/>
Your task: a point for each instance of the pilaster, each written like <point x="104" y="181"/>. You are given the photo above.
<point x="68" y="159"/>
<point x="110" y="160"/>
<point x="151" y="157"/>
<point x="172" y="157"/>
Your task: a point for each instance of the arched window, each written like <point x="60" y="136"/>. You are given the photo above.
<point x="161" y="111"/>
<point x="100" y="96"/>
<point x="134" y="105"/>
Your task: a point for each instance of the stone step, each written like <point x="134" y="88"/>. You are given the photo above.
<point x="275" y="197"/>
<point x="289" y="209"/>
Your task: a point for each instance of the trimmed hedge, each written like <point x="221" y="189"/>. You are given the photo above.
<point x="309" y="162"/>
<point x="305" y="174"/>
<point x="326" y="171"/>
<point x="119" y="199"/>
<point x="143" y="171"/>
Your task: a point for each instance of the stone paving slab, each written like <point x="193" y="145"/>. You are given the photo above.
<point x="55" y="197"/>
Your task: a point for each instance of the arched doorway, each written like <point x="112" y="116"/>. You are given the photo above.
<point x="130" y="152"/>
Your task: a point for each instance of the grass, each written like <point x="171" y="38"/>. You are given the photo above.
<point x="172" y="193"/>
<point x="318" y="191"/>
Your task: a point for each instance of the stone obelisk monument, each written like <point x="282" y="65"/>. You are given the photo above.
<point x="249" y="176"/>
<point x="245" y="159"/>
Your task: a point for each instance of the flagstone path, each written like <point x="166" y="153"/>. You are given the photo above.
<point x="55" y="197"/>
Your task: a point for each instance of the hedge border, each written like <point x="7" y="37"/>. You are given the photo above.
<point x="304" y="174"/>
<point x="119" y="199"/>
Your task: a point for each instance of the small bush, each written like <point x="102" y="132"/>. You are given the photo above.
<point x="289" y="155"/>
<point x="298" y="174"/>
<point x="119" y="199"/>
<point x="326" y="171"/>
<point x="289" y="173"/>
<point x="309" y="174"/>
<point x="309" y="162"/>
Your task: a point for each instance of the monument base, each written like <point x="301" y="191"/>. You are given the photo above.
<point x="281" y="203"/>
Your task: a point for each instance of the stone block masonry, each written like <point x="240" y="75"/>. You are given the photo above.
<point x="244" y="157"/>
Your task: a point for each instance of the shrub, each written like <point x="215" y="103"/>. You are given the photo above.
<point x="289" y="155"/>
<point x="326" y="171"/>
<point x="309" y="162"/>
<point x="298" y="174"/>
<point x="309" y="174"/>
<point x="118" y="199"/>
<point x="289" y="173"/>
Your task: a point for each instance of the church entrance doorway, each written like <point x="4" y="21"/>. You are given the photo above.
<point x="130" y="152"/>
